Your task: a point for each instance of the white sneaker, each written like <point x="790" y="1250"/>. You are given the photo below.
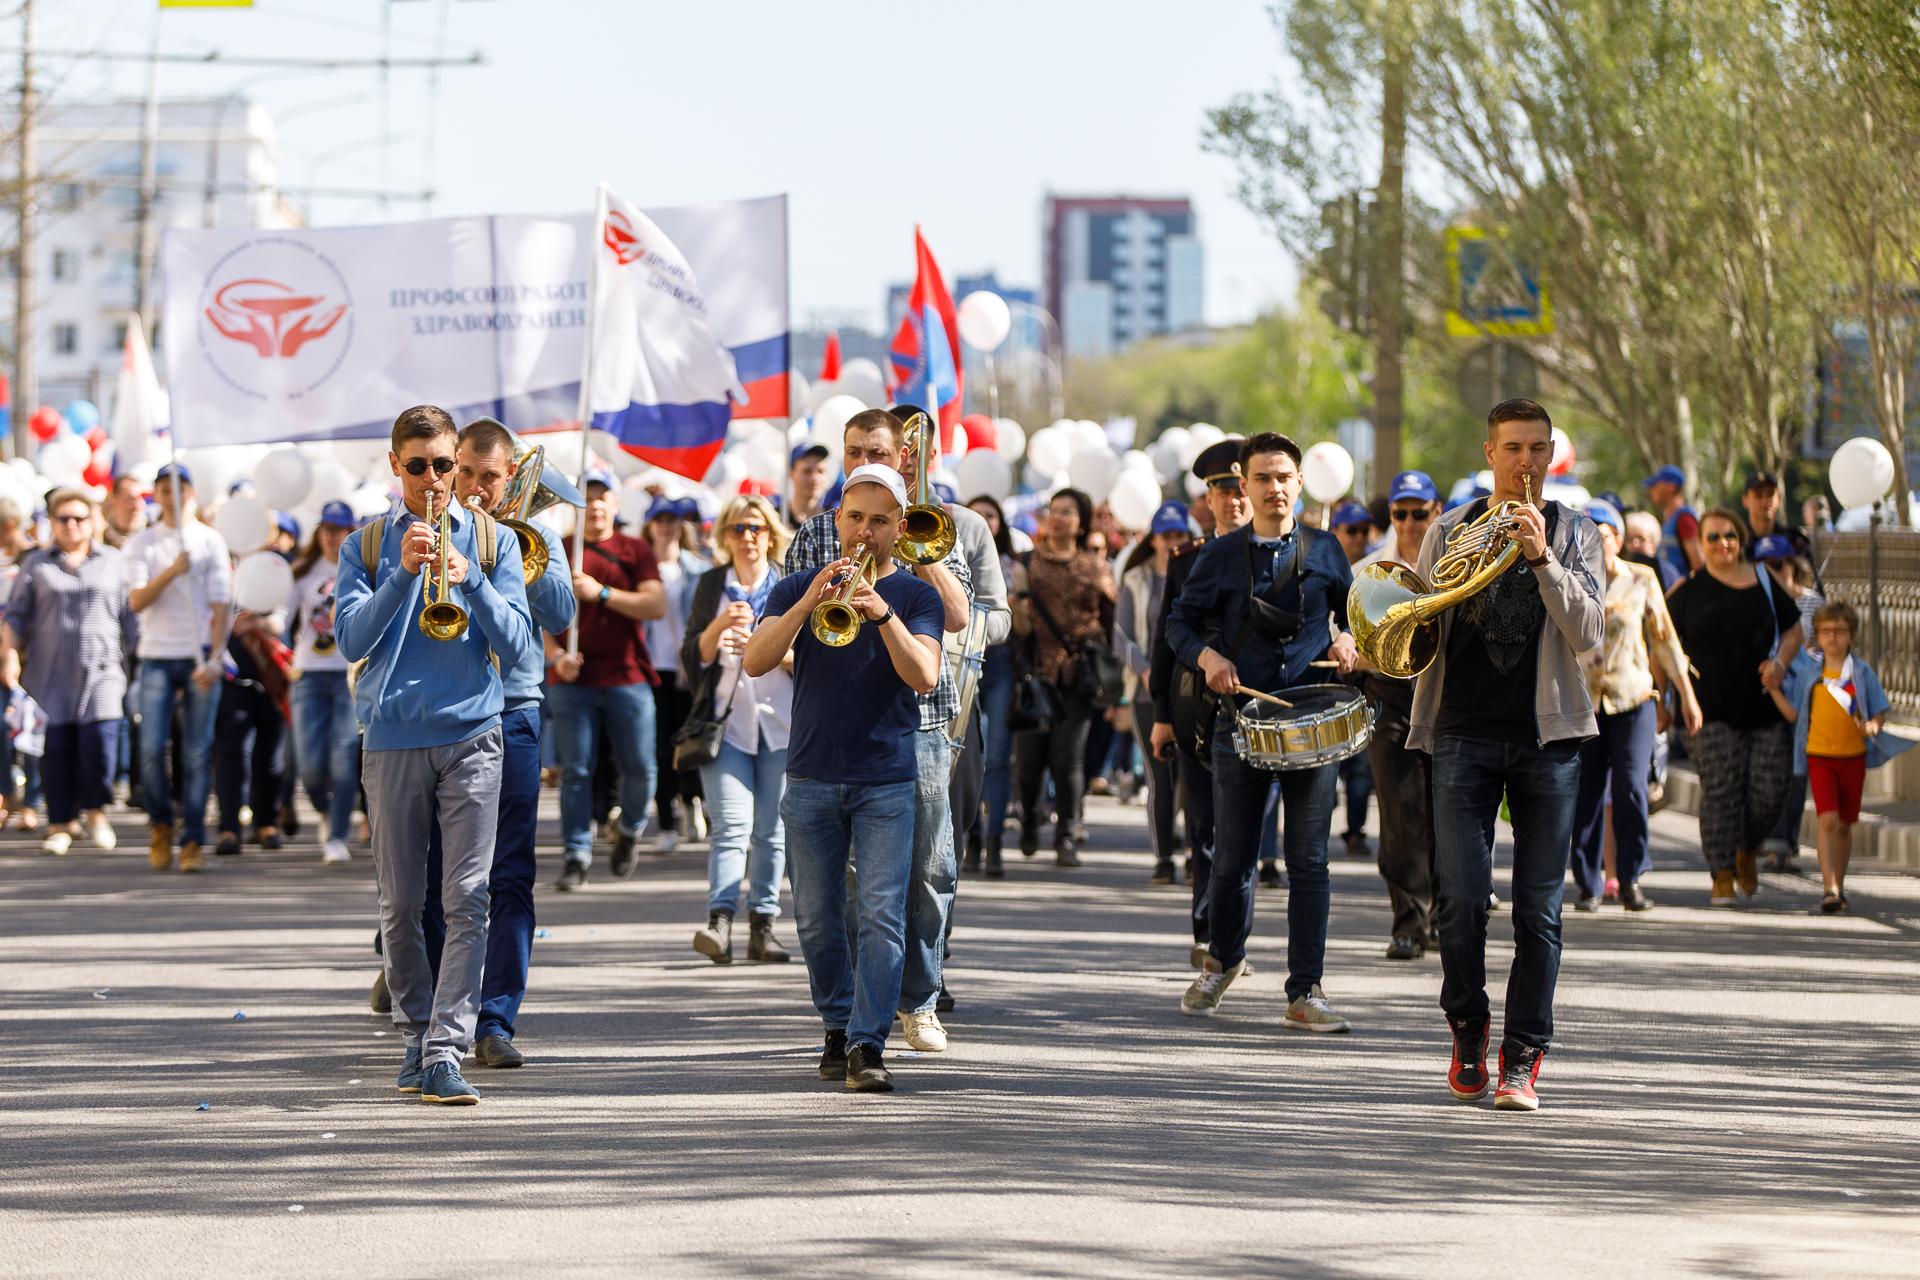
<point x="1311" y="1012"/>
<point x="924" y="1031"/>
<point x="1208" y="989"/>
<point x="669" y="843"/>
<point x="56" y="844"/>
<point x="335" y="851"/>
<point x="101" y="831"/>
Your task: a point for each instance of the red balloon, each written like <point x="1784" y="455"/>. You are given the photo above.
<point x="46" y="423"/>
<point x="982" y="433"/>
<point x="99" y="471"/>
<point x="96" y="437"/>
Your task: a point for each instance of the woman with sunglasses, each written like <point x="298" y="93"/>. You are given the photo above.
<point x="1742" y="632"/>
<point x="69" y="613"/>
<point x="745" y="785"/>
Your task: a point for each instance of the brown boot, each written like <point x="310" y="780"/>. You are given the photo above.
<point x="160" y="846"/>
<point x="191" y="859"/>
<point x="1746" y="871"/>
<point x="1722" y="889"/>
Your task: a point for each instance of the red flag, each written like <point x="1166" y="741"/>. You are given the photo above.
<point x="830" y="359"/>
<point x="920" y="371"/>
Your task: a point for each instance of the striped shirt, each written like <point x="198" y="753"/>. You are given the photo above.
<point x="77" y="629"/>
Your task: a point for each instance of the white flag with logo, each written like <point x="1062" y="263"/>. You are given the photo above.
<point x="139" y="406"/>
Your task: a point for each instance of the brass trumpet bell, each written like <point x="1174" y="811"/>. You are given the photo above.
<point x="535" y="486"/>
<point x="440" y="617"/>
<point x="835" y="622"/>
<point x="927" y="532"/>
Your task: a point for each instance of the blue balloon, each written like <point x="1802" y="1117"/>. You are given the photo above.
<point x="82" y="416"/>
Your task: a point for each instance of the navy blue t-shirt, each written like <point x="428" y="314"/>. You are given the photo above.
<point x="853" y="716"/>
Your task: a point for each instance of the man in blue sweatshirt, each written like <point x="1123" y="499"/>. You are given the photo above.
<point x="431" y="711"/>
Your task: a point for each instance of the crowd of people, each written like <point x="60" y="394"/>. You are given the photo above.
<point x="862" y="715"/>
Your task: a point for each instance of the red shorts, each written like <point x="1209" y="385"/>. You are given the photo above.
<point x="1836" y="783"/>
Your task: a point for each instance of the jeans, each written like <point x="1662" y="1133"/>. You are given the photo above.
<point x="578" y="712"/>
<point x="746" y="838"/>
<point x="1160" y="786"/>
<point x="996" y="704"/>
<point x="934" y="875"/>
<point x="161" y="681"/>
<point x="78" y="768"/>
<point x="1469" y="777"/>
<point x="1405" y="856"/>
<point x="1240" y="797"/>
<point x="1062" y="751"/>
<point x="1356" y="775"/>
<point x="1619" y="756"/>
<point x="825" y="821"/>
<point x="246" y="750"/>
<point x="676" y="788"/>
<point x="329" y="753"/>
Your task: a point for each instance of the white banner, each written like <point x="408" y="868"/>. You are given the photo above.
<point x="327" y="334"/>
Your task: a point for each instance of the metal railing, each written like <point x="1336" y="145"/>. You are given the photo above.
<point x="1878" y="573"/>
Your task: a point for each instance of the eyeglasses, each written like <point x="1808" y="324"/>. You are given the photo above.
<point x="747" y="530"/>
<point x="1723" y="537"/>
<point x="80" y="519"/>
<point x="1412" y="513"/>
<point x="418" y="466"/>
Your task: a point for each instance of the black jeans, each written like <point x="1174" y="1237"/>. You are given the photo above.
<point x="1404" y="780"/>
<point x="1062" y="751"/>
<point x="1196" y="787"/>
<point x="672" y="703"/>
<point x="247" y="768"/>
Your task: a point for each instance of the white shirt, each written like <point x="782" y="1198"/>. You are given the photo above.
<point x="178" y="624"/>
<point x="313" y="648"/>
<point x="763" y="710"/>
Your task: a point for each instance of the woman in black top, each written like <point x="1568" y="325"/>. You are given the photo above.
<point x="1735" y="623"/>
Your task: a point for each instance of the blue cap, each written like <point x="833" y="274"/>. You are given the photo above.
<point x="602" y="478"/>
<point x="1668" y="474"/>
<point x="1775" y="546"/>
<point x="1611" y="498"/>
<point x="339" y="515"/>
<point x="1413" y="484"/>
<point x="1607" y="513"/>
<point x="664" y="507"/>
<point x="1170" y="518"/>
<point x="688" y="508"/>
<point x="807" y="449"/>
<point x="242" y="485"/>
<point x="944" y="491"/>
<point x="288" y="525"/>
<point x="171" y="470"/>
<point x="1350" y="513"/>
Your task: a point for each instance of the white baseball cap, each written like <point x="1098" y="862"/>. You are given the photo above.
<point x="884" y="476"/>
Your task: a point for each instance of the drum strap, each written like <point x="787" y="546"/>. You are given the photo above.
<point x="1273" y="593"/>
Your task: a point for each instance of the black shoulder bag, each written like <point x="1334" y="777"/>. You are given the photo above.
<point x="1195" y="707"/>
<point x="1098" y="676"/>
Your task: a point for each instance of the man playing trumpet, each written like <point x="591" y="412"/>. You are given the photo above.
<point x="851" y="767"/>
<point x="430" y="701"/>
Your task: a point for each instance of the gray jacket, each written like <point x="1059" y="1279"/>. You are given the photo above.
<point x="1576" y="618"/>
<point x="989" y="584"/>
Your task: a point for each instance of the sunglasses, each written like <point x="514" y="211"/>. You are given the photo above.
<point x="1723" y="537"/>
<point x="81" y="519"/>
<point x="418" y="466"/>
<point x="1412" y="513"/>
<point x="747" y="530"/>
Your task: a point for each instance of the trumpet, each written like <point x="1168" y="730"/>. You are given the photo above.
<point x="835" y="621"/>
<point x="535" y="487"/>
<point x="926" y="530"/>
<point x="1394" y="615"/>
<point x="440" y="617"/>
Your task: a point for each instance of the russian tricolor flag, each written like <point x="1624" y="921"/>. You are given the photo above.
<point x="926" y="349"/>
<point x="657" y="378"/>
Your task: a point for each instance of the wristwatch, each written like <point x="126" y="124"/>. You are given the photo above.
<point x="1544" y="557"/>
<point x="884" y="618"/>
<point x="606" y="593"/>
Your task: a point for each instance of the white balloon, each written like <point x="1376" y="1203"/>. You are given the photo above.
<point x="1327" y="470"/>
<point x="983" y="471"/>
<point x="765" y="456"/>
<point x="370" y="500"/>
<point x="1087" y="436"/>
<point x="23" y="469"/>
<point x="283" y="479"/>
<point x="64" y="458"/>
<point x="865" y="387"/>
<point x="725" y="475"/>
<point x="860" y="367"/>
<point x="263" y="581"/>
<point x="358" y="455"/>
<point x="960" y="441"/>
<point x="1196" y="487"/>
<point x="1200" y="437"/>
<point x="1093" y="472"/>
<point x="1050" y="450"/>
<point x="1861" y="472"/>
<point x="1137" y="460"/>
<point x="818" y="394"/>
<point x="1011" y="442"/>
<point x="1169" y="452"/>
<point x="332" y="482"/>
<point x="985" y="320"/>
<point x="1135" y="497"/>
<point x="11" y="486"/>
<point x="830" y="419"/>
<point x="797" y="432"/>
<point x="1043" y="482"/>
<point x="633" y="509"/>
<point x="243" y="520"/>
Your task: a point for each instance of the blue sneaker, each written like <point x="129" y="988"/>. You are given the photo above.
<point x="445" y="1085"/>
<point x="411" y="1073"/>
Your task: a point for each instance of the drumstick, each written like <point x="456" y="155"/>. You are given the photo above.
<point x="1264" y="697"/>
<point x="1323" y="662"/>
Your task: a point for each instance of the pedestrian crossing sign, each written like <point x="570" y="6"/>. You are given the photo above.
<point x="1494" y="294"/>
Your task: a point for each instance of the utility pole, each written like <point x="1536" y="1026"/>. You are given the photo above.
<point x="148" y="233"/>
<point x="1389" y="263"/>
<point x="26" y="382"/>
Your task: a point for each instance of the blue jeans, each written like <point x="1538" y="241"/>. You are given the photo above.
<point x="329" y="746"/>
<point x="935" y="872"/>
<point x="1356" y="775"/>
<point x="509" y="882"/>
<point x="577" y="713"/>
<point x="1469" y="777"/>
<point x="77" y="768"/>
<point x="996" y="702"/>
<point x="825" y="821"/>
<point x="1240" y="798"/>
<point x="1616" y="764"/>
<point x="743" y="819"/>
<point x="161" y="681"/>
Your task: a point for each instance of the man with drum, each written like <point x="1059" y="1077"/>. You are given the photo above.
<point x="1254" y="615"/>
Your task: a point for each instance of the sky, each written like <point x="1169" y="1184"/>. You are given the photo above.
<point x="872" y="116"/>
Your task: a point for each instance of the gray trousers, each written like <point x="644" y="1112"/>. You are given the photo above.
<point x="405" y="789"/>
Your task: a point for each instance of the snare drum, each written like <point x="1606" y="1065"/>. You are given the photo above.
<point x="1327" y="723"/>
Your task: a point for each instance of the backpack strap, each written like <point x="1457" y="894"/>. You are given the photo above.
<point x="486" y="532"/>
<point x="372" y="534"/>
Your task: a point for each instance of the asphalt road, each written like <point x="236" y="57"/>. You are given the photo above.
<point x="1730" y="1094"/>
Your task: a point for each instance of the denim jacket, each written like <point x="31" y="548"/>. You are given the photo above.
<point x="1804" y="676"/>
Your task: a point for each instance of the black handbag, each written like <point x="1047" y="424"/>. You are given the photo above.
<point x="699" y="740"/>
<point x="1033" y="709"/>
<point x="1098" y="676"/>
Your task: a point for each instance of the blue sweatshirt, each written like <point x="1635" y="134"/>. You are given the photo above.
<point x="551" y="603"/>
<point x="417" y="691"/>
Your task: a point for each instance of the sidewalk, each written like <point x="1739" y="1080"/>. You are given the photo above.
<point x="1887" y="839"/>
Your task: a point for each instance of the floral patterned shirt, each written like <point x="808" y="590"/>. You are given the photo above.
<point x="1639" y="631"/>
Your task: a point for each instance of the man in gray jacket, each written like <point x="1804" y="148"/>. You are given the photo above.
<point x="1502" y="711"/>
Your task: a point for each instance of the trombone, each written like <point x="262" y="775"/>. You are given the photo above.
<point x="926" y="532"/>
<point x="440" y="617"/>
<point x="835" y="621"/>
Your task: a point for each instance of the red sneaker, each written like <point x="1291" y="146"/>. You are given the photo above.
<point x="1519" y="1068"/>
<point x="1467" y="1077"/>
